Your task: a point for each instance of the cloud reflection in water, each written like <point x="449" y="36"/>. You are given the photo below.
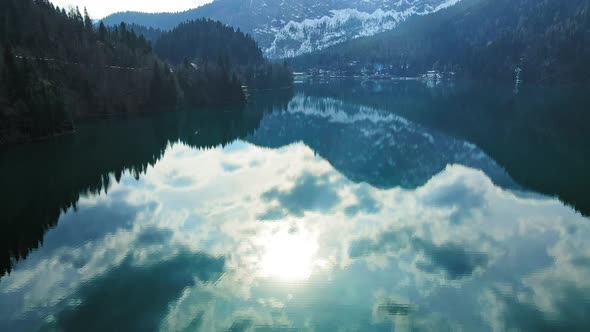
<point x="202" y="254"/>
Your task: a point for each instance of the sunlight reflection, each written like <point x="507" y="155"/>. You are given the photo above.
<point x="289" y="256"/>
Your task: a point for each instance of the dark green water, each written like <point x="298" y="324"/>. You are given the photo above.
<point x="338" y="206"/>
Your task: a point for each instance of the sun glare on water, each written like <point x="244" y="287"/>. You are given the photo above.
<point x="289" y="257"/>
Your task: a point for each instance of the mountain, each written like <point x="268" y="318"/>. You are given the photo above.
<point x="287" y="28"/>
<point x="531" y="40"/>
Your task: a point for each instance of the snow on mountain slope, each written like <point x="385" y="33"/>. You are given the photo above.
<point x="309" y="35"/>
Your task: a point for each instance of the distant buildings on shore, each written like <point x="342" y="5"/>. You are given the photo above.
<point x="375" y="71"/>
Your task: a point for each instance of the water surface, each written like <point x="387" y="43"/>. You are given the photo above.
<point x="339" y="206"/>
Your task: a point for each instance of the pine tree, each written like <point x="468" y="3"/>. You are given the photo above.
<point x="87" y="20"/>
<point x="102" y="31"/>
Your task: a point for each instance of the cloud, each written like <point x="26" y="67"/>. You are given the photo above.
<point x="359" y="240"/>
<point x="181" y="181"/>
<point x="365" y="203"/>
<point x="229" y="167"/>
<point x="462" y="192"/>
<point x="273" y="214"/>
<point x="452" y="259"/>
<point x="142" y="293"/>
<point x="389" y="241"/>
<point x="91" y="224"/>
<point x="310" y="193"/>
<point x="509" y="312"/>
<point x="555" y="297"/>
<point x="154" y="236"/>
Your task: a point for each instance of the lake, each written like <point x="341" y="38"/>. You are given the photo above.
<point x="340" y="205"/>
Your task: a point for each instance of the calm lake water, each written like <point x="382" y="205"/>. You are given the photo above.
<point x="338" y="206"/>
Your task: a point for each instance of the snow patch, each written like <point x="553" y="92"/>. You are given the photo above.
<point x="297" y="38"/>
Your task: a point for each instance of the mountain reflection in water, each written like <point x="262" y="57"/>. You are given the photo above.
<point x="317" y="209"/>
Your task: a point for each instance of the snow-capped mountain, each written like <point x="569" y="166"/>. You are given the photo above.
<point x="349" y="20"/>
<point x="287" y="28"/>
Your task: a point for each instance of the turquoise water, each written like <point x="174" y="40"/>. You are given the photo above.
<point x="338" y="206"/>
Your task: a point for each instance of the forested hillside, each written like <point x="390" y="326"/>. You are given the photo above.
<point x="549" y="40"/>
<point x="57" y="67"/>
<point x="205" y="41"/>
<point x="208" y="40"/>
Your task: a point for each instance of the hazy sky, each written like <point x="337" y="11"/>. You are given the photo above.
<point x="101" y="8"/>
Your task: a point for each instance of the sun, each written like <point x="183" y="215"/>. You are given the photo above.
<point x="289" y="257"/>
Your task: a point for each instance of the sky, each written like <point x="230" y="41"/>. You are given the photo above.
<point x="100" y="8"/>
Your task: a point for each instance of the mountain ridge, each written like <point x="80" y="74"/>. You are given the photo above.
<point x="538" y="41"/>
<point x="290" y="28"/>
